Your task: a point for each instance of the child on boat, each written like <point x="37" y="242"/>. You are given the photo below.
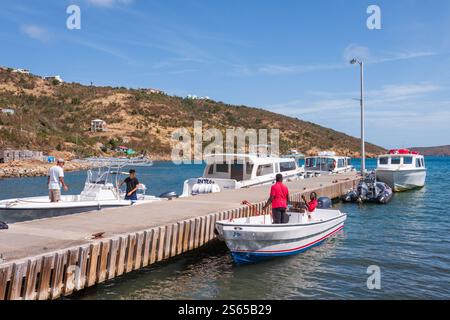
<point x="311" y="206"/>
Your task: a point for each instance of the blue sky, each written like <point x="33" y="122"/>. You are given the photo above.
<point x="286" y="56"/>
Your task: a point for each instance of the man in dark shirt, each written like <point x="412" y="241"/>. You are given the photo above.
<point x="132" y="186"/>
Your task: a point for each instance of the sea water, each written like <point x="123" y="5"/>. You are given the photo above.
<point x="408" y="241"/>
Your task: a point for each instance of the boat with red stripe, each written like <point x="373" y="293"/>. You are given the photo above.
<point x="256" y="238"/>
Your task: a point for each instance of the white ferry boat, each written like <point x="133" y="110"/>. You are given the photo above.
<point x="327" y="163"/>
<point x="236" y="171"/>
<point x="402" y="170"/>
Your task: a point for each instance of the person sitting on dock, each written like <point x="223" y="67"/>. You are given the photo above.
<point x="311" y="206"/>
<point x="56" y="180"/>
<point x="132" y="186"/>
<point x="279" y="198"/>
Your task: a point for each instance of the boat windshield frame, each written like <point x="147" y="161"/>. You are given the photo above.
<point x="325" y="166"/>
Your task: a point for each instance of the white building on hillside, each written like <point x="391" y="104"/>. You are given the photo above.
<point x="8" y="111"/>
<point x="194" y="97"/>
<point x="23" y="71"/>
<point x="98" y="125"/>
<point x="57" y="78"/>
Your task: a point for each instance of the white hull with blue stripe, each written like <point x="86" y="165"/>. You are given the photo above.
<point x="256" y="238"/>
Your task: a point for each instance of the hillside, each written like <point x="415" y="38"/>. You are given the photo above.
<point x="433" y="151"/>
<point x="51" y="116"/>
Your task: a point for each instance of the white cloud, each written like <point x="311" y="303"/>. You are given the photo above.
<point x="391" y="97"/>
<point x="356" y="51"/>
<point x="273" y="69"/>
<point x="390" y="93"/>
<point x="36" y="32"/>
<point x="351" y="51"/>
<point x="109" y="3"/>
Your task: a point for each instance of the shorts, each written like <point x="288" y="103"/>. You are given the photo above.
<point x="54" y="195"/>
<point x="280" y="216"/>
<point x="133" y="197"/>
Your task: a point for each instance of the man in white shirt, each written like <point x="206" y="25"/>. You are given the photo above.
<point x="56" y="180"/>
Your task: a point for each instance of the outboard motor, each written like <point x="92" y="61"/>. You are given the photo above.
<point x="3" y="225"/>
<point x="169" y="195"/>
<point x="351" y="196"/>
<point x="363" y="191"/>
<point x="325" y="203"/>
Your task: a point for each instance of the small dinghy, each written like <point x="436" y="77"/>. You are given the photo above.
<point x="370" y="190"/>
<point x="257" y="238"/>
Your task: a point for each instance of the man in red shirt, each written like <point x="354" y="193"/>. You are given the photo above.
<point x="279" y="198"/>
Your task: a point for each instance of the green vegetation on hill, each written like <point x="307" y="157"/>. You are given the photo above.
<point x="53" y="116"/>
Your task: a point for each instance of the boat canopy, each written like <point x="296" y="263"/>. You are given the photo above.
<point x="402" y="151"/>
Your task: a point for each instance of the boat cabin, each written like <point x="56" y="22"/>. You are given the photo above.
<point x="235" y="171"/>
<point x="247" y="167"/>
<point x="327" y="162"/>
<point x="401" y="158"/>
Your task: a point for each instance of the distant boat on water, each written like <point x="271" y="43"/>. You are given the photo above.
<point x="402" y="169"/>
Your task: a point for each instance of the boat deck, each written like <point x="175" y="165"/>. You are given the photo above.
<point x="157" y="231"/>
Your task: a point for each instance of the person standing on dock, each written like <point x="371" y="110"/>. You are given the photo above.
<point x="56" y="180"/>
<point x="132" y="183"/>
<point x="279" y="198"/>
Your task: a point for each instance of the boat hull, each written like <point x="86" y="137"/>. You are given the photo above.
<point x="252" y="243"/>
<point x="40" y="207"/>
<point x="402" y="180"/>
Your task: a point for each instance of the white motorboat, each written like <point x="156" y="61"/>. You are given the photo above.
<point x="327" y="163"/>
<point x="236" y="171"/>
<point x="402" y="170"/>
<point x="100" y="191"/>
<point x="256" y="238"/>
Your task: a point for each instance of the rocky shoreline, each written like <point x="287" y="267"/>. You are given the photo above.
<point x="19" y="169"/>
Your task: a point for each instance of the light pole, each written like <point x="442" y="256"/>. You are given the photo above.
<point x="363" y="144"/>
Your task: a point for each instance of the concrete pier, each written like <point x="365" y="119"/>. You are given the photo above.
<point x="50" y="258"/>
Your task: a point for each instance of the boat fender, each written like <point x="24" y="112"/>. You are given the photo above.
<point x="195" y="188"/>
<point x="325" y="203"/>
<point x="215" y="188"/>
<point x="3" y="226"/>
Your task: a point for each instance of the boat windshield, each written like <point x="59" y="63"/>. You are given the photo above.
<point x="238" y="170"/>
<point x="319" y="164"/>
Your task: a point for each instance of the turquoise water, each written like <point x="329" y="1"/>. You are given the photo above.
<point x="408" y="239"/>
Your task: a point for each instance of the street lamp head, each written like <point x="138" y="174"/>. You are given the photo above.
<point x="354" y="61"/>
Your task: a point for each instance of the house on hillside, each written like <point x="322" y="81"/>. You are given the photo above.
<point x="155" y="91"/>
<point x="8" y="155"/>
<point x="9" y="111"/>
<point x="194" y="97"/>
<point x="98" y="125"/>
<point x="22" y="71"/>
<point x="56" y="78"/>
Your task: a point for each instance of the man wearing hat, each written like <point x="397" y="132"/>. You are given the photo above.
<point x="56" y="180"/>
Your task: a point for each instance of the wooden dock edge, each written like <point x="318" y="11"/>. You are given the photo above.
<point x="60" y="273"/>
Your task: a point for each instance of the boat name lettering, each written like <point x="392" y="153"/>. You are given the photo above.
<point x="205" y="181"/>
